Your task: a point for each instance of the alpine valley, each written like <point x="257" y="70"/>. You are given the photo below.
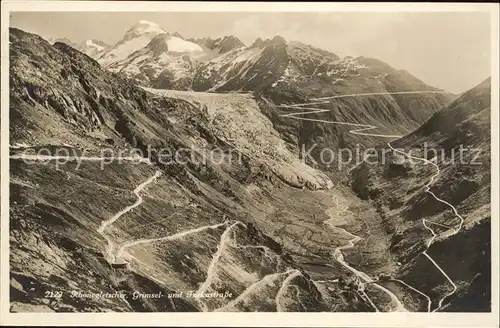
<point x="267" y="228"/>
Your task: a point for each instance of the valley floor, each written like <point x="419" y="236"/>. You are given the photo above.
<point x="137" y="228"/>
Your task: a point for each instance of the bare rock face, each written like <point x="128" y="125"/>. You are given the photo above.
<point x="66" y="86"/>
<point x="258" y="43"/>
<point x="221" y="45"/>
<point x="229" y="43"/>
<point x="159" y="44"/>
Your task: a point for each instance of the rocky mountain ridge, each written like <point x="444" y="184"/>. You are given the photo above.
<point x="226" y="64"/>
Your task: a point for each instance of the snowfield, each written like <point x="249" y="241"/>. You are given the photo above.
<point x="176" y="44"/>
<point x="122" y="50"/>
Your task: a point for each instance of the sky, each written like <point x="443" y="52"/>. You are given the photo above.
<point x="448" y="50"/>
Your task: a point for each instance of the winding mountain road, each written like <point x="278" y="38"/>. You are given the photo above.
<point x="362" y="130"/>
<point x="339" y="257"/>
<point x="454" y="231"/>
<point x="212" y="267"/>
<point x="359" y="129"/>
<point x="256" y="286"/>
<point x="106" y="223"/>
<point x="176" y="236"/>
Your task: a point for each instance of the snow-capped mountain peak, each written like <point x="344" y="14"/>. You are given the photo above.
<point x="167" y="60"/>
<point x="95" y="45"/>
<point x="92" y="47"/>
<point x="135" y="38"/>
<point x="143" y="27"/>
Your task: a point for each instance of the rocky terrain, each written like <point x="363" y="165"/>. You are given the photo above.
<point x="410" y="217"/>
<point x="258" y="226"/>
<point x="212" y="216"/>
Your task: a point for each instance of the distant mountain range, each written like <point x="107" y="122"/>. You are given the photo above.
<point x="91" y="47"/>
<point x="279" y="72"/>
<point x="156" y="58"/>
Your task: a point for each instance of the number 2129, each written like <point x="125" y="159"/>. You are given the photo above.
<point x="51" y="294"/>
